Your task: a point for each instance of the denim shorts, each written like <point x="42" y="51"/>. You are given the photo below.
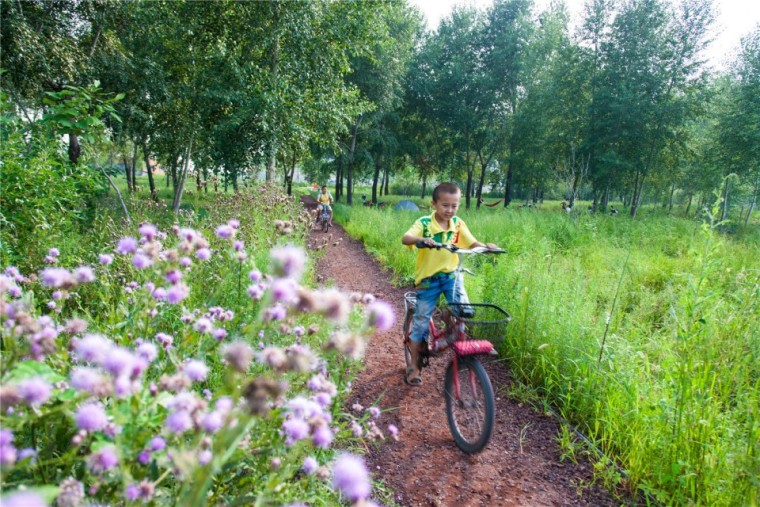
<point x="428" y="292"/>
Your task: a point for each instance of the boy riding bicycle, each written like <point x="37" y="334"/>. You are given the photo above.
<point x="434" y="273"/>
<point x="325" y="200"/>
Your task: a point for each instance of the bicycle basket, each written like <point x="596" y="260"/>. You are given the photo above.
<point x="482" y="321"/>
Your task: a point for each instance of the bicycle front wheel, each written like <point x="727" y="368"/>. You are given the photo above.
<point x="471" y="413"/>
<point x="407" y="332"/>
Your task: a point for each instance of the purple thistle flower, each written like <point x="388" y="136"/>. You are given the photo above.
<point x="23" y="499"/>
<point x="185" y="262"/>
<point x="203" y="325"/>
<point x="212" y="422"/>
<point x="56" y="295"/>
<point x="35" y="391"/>
<point x="119" y="362"/>
<point x="144" y="457"/>
<point x="195" y="370"/>
<point x="322" y="436"/>
<point x="295" y="429"/>
<point x="50" y="260"/>
<point x="276" y="312"/>
<point x="219" y="333"/>
<point x="177" y="293"/>
<point x="105" y="259"/>
<point x="356" y="429"/>
<point x="157" y="444"/>
<point x="147" y="351"/>
<point x="127" y="245"/>
<point x="54" y="252"/>
<point x="56" y="277"/>
<point x="288" y="261"/>
<point x="173" y="276"/>
<point x="6" y="437"/>
<point x="239" y="355"/>
<point x="255" y="275"/>
<point x="234" y="223"/>
<point x="351" y="478"/>
<point x="103" y="460"/>
<point x="148" y="231"/>
<point x="225" y="231"/>
<point x="84" y="274"/>
<point x="393" y="431"/>
<point x="179" y="422"/>
<point x="374" y="412"/>
<point x="14" y="291"/>
<point x="93" y="348"/>
<point x="51" y="304"/>
<point x="91" y="417"/>
<point x="283" y="289"/>
<point x="310" y="465"/>
<point x="8" y="455"/>
<point x="27" y="452"/>
<point x="87" y="379"/>
<point x="204" y="457"/>
<point x="256" y="291"/>
<point x="141" y="261"/>
<point x="238" y="245"/>
<point x="380" y="315"/>
<point x="203" y="254"/>
<point x="165" y="340"/>
<point x="159" y="294"/>
<point x="324" y="399"/>
<point x="224" y="404"/>
<point x="132" y="492"/>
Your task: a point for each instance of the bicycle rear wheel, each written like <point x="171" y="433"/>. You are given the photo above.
<point x="471" y="415"/>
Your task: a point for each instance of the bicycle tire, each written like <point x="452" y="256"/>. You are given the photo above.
<point x="325" y="225"/>
<point x="471" y="418"/>
<point x="407" y="330"/>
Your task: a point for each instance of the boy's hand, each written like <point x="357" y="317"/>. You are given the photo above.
<point x="492" y="246"/>
<point x="427" y="241"/>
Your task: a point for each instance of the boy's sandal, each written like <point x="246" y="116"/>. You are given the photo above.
<point x="412" y="381"/>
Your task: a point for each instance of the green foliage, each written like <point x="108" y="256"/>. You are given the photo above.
<point x="44" y="198"/>
<point x="674" y="399"/>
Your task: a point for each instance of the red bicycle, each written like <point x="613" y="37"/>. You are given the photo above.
<point x="468" y="330"/>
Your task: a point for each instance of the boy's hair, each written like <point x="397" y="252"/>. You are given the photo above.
<point x="445" y="188"/>
<point x="324" y="186"/>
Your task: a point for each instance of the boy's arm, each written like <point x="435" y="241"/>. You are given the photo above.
<point x="414" y="234"/>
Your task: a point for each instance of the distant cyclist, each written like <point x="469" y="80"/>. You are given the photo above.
<point x="325" y="200"/>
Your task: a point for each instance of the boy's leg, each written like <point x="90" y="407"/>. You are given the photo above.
<point x="427" y="297"/>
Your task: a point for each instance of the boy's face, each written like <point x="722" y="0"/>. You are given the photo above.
<point x="324" y="190"/>
<point x="447" y="205"/>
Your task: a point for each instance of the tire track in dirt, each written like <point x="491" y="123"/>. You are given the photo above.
<point x="520" y="466"/>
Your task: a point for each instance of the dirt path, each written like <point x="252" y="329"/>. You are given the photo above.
<point x="520" y="466"/>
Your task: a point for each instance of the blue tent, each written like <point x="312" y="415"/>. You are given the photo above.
<point x="406" y="205"/>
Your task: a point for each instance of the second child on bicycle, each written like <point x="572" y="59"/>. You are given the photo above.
<point x="434" y="273"/>
<point x="325" y="200"/>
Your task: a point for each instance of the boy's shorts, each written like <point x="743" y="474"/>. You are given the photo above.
<point x="428" y="292"/>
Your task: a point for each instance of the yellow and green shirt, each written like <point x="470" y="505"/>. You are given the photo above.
<point x="431" y="261"/>
<point x="324" y="198"/>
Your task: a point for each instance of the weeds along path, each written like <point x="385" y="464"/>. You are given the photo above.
<point x="520" y="466"/>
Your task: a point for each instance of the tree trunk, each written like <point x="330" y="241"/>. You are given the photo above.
<point x="724" y="210"/>
<point x="134" y="166"/>
<point x="376" y="176"/>
<point x="350" y="169"/>
<point x="74" y="149"/>
<point x="508" y="186"/>
<point x="688" y="206"/>
<point x="424" y="184"/>
<point x="480" y="184"/>
<point x="128" y="172"/>
<point x="181" y="178"/>
<point x="387" y="180"/>
<point x="149" y="170"/>
<point x="339" y="178"/>
<point x="753" y="203"/>
<point x="638" y="189"/>
<point x="672" y="192"/>
<point x="606" y="198"/>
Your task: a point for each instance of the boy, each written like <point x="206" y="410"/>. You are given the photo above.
<point x="325" y="200"/>
<point x="434" y="272"/>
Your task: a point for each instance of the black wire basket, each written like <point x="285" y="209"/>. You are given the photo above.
<point x="482" y="321"/>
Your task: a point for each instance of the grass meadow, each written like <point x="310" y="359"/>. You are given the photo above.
<point x="644" y="334"/>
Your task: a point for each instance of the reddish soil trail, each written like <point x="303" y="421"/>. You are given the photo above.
<point x="520" y="466"/>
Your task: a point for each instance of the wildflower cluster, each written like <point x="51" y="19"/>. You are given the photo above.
<point x="154" y="398"/>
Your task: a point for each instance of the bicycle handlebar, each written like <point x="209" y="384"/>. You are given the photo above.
<point x="455" y="249"/>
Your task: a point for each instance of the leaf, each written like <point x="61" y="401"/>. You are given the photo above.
<point x="29" y="369"/>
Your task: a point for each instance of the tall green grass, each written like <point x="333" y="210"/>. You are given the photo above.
<point x="645" y="334"/>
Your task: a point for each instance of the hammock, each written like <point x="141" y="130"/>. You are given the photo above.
<point x="492" y="204"/>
